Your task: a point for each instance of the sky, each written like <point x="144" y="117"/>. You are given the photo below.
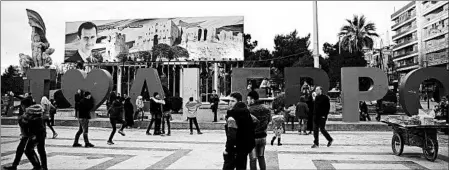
<point x="263" y="20"/>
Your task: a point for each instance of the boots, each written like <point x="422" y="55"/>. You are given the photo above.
<point x="279" y="142"/>
<point x="272" y="140"/>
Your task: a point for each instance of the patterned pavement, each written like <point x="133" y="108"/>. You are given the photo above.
<point x="351" y="150"/>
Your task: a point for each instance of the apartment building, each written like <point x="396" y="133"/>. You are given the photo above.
<point x="421" y="36"/>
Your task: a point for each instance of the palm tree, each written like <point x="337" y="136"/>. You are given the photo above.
<point x="358" y="34"/>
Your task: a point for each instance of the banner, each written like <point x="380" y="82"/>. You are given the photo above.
<point x="198" y="38"/>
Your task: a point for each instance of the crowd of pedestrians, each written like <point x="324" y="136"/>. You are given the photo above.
<point x="246" y="128"/>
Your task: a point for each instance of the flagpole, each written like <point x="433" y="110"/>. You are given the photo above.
<point x="316" y="60"/>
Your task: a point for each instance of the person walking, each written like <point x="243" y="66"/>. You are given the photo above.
<point x="53" y="111"/>
<point x="263" y="115"/>
<point x="129" y="112"/>
<point x="85" y="107"/>
<point x="192" y="108"/>
<point x="301" y="113"/>
<point x="322" y="107"/>
<point x="278" y="121"/>
<point x="240" y="134"/>
<point x="115" y="113"/>
<point x="139" y="106"/>
<point x="25" y="103"/>
<point x="34" y="130"/>
<point x="214" y="100"/>
<point x="311" y="105"/>
<point x="156" y="113"/>
<point x="46" y="104"/>
<point x="166" y="116"/>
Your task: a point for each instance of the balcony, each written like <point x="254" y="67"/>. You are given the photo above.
<point x="405" y="54"/>
<point x="404" y="32"/>
<point x="440" y="16"/>
<point x="404" y="67"/>
<point x="437" y="58"/>
<point x="396" y="14"/>
<point x="438" y="46"/>
<point x="408" y="19"/>
<point x="431" y="7"/>
<point x="402" y="45"/>
<point x="431" y="36"/>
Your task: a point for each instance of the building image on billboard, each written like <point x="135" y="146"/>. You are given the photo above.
<point x="204" y="38"/>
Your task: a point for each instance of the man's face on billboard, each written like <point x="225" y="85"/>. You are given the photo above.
<point x="88" y="39"/>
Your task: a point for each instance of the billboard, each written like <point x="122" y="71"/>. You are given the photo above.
<point x="194" y="38"/>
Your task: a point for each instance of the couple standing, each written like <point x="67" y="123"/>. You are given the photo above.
<point x="312" y="115"/>
<point x="246" y="131"/>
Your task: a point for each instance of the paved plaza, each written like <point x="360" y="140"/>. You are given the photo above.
<point x="351" y="150"/>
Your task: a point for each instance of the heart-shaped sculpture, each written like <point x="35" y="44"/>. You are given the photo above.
<point x="98" y="82"/>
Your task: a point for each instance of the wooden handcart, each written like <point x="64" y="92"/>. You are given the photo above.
<point x="423" y="136"/>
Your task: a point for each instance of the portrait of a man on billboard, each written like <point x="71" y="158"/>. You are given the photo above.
<point x="187" y="38"/>
<point x="87" y="38"/>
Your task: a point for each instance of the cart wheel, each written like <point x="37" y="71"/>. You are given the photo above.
<point x="397" y="144"/>
<point x="431" y="151"/>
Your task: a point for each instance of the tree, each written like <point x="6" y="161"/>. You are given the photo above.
<point x="179" y="52"/>
<point x="290" y="49"/>
<point x="259" y="58"/>
<point x="144" y="55"/>
<point x="338" y="59"/>
<point x="162" y="51"/>
<point x="357" y="34"/>
<point x="11" y="81"/>
<point x="248" y="46"/>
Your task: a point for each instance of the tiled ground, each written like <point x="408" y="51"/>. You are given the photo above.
<point x="351" y="150"/>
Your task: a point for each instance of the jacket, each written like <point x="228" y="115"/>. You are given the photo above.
<point x="192" y="108"/>
<point x="263" y="115"/>
<point x="78" y="98"/>
<point x="139" y="103"/>
<point x="31" y="121"/>
<point x="302" y="110"/>
<point x="239" y="130"/>
<point x="85" y="107"/>
<point x="116" y="110"/>
<point x="322" y="106"/>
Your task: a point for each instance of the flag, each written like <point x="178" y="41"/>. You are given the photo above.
<point x="35" y="20"/>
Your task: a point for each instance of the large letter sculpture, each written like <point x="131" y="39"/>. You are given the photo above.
<point x="97" y="82"/>
<point x="39" y="82"/>
<point x="151" y="77"/>
<point x="240" y="77"/>
<point x="409" y="87"/>
<point x="293" y="77"/>
<point x="351" y="95"/>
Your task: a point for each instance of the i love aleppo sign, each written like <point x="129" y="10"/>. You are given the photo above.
<point x="99" y="83"/>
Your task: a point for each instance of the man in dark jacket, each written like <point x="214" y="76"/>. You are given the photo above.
<point x="115" y="113"/>
<point x="322" y="107"/>
<point x="85" y="107"/>
<point x="264" y="117"/>
<point x="214" y="100"/>
<point x="239" y="132"/>
<point x="156" y="104"/>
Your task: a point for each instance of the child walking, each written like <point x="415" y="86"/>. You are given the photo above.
<point x="278" y="120"/>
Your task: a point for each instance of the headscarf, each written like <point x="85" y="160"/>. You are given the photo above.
<point x="45" y="101"/>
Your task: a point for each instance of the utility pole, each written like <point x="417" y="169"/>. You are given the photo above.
<point x="316" y="60"/>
